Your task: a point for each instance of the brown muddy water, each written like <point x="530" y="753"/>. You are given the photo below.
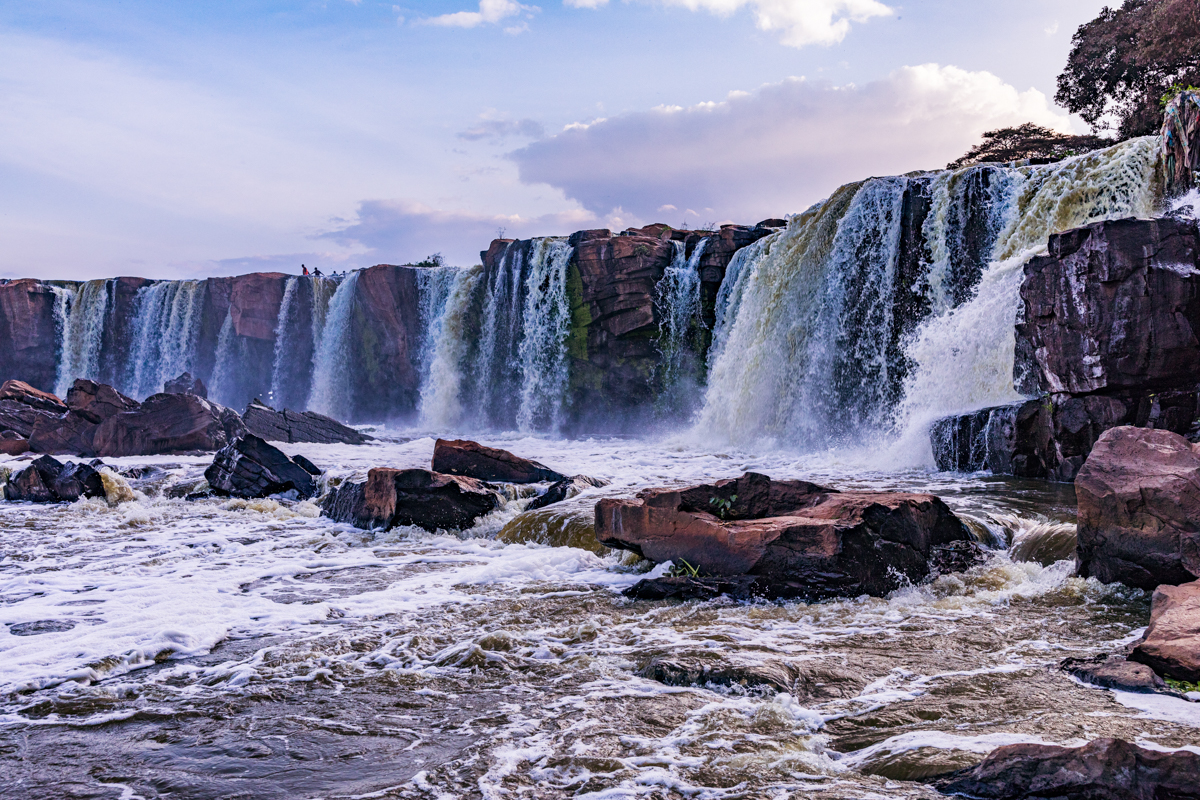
<point x="155" y="648"/>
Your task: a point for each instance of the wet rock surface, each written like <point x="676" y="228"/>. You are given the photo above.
<point x="796" y="538"/>
<point x="29" y="329"/>
<point x="21" y="392"/>
<point x="1106" y="769"/>
<point x="96" y="402"/>
<point x="47" y="480"/>
<point x="298" y="426"/>
<point x="473" y="460"/>
<point x="168" y="423"/>
<point x="1114" y="672"/>
<point x="186" y="384"/>
<point x="429" y="500"/>
<point x="1171" y="645"/>
<point x="563" y="490"/>
<point x="1139" y="509"/>
<point x="249" y="467"/>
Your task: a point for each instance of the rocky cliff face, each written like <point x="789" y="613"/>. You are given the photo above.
<point x="28" y="333"/>
<point x="1181" y="142"/>
<point x="386" y="330"/>
<point x="1108" y="334"/>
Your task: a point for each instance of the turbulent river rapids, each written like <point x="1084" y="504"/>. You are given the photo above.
<point x="159" y="647"/>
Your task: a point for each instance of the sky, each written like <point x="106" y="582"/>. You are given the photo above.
<point x="186" y="139"/>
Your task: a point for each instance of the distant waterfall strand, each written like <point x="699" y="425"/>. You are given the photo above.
<point x="225" y="368"/>
<point x="434" y="287"/>
<point x="680" y="342"/>
<point x="166" y="330"/>
<point x="282" y="367"/>
<point x="546" y="323"/>
<point x="331" y="392"/>
<point x="441" y="404"/>
<point x="82" y="334"/>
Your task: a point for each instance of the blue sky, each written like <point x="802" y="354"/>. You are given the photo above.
<point x="185" y="139"/>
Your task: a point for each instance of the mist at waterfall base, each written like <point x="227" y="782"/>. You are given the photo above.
<point x="215" y="647"/>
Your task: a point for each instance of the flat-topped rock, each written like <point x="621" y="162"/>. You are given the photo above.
<point x="1171" y="645"/>
<point x="473" y="460"/>
<point x="796" y="539"/>
<point x="429" y="500"/>
<point x="1139" y="509"/>
<point x="1106" y="769"/>
<point x="249" y="467"/>
<point x="298" y="426"/>
<point x="168" y="423"/>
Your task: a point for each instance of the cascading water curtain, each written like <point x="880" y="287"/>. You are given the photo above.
<point x="166" y="331"/>
<point x="678" y="301"/>
<point x="441" y="404"/>
<point x="82" y="333"/>
<point x="331" y="392"/>
<point x="282" y="369"/>
<point x="542" y="352"/>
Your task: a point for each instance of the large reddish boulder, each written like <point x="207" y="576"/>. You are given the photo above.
<point x="463" y="457"/>
<point x="1171" y="645"/>
<point x="1106" y="769"/>
<point x="1139" y="509"/>
<point x="796" y="538"/>
<point x="1114" y="306"/>
<point x="97" y="402"/>
<point x="21" y="392"/>
<point x="29" y="331"/>
<point x="168" y="423"/>
<point x="64" y="433"/>
<point x="428" y="500"/>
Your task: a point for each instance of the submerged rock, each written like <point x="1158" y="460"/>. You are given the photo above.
<point x="563" y="490"/>
<point x="47" y="480"/>
<point x="796" y="539"/>
<point x="168" y="423"/>
<point x="1139" y="509"/>
<point x="463" y="457"/>
<point x="1106" y="769"/>
<point x="685" y="587"/>
<point x="429" y="500"/>
<point x="298" y="426"/>
<point x="252" y="468"/>
<point x="186" y="384"/>
<point x="1114" y="672"/>
<point x="1171" y="645"/>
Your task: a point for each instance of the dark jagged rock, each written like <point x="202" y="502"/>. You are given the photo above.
<point x="1181" y="142"/>
<point x="47" y="480"/>
<point x="21" y="392"/>
<point x="682" y="671"/>
<point x="186" y="384"/>
<point x="306" y="465"/>
<point x="1114" y="306"/>
<point x="249" y="467"/>
<point x="1051" y="437"/>
<point x="463" y="457"/>
<point x="29" y="332"/>
<point x="96" y="402"/>
<point x="1114" y="672"/>
<point x="796" y="538"/>
<point x="958" y="556"/>
<point x="19" y="418"/>
<point x="683" y="587"/>
<point x="298" y="426"/>
<point x="1171" y="645"/>
<point x="562" y="490"/>
<point x="1139" y="509"/>
<point x="1106" y="769"/>
<point x="428" y="500"/>
<point x="168" y="423"/>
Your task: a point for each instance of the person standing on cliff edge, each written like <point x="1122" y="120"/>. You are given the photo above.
<point x="304" y="268"/>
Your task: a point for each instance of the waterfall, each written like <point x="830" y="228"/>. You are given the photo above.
<point x="679" y="343"/>
<point x="441" y="404"/>
<point x="225" y="369"/>
<point x="81" y="324"/>
<point x="166" y="329"/>
<point x="282" y="367"/>
<point x="330" y="393"/>
<point x="434" y="287"/>
<point x="546" y="323"/>
<point x="893" y="302"/>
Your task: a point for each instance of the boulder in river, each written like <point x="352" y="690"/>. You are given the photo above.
<point x="429" y="500"/>
<point x="298" y="426"/>
<point x="1171" y="645"/>
<point x="168" y="423"/>
<point x="1114" y="672"/>
<point x="25" y="394"/>
<point x="47" y="480"/>
<point x="473" y="460"/>
<point x="796" y="539"/>
<point x="96" y="402"/>
<point x="1106" y="769"/>
<point x="186" y="384"/>
<point x="563" y="490"/>
<point x="1139" y="509"/>
<point x="249" y="467"/>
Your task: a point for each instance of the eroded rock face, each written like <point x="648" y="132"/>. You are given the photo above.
<point x="429" y="500"/>
<point x="1114" y="306"/>
<point x="387" y="330"/>
<point x="168" y="423"/>
<point x="96" y="402"/>
<point x="1139" y="509"/>
<point x="464" y="457"/>
<point x="249" y="467"/>
<point x="1181" y="142"/>
<point x="21" y="392"/>
<point x="186" y="384"/>
<point x="19" y="418"/>
<point x="1106" y="769"/>
<point x="47" y="480"/>
<point x="1171" y="646"/>
<point x="64" y="433"/>
<point x="795" y="538"/>
<point x="29" y="331"/>
<point x="298" y="426"/>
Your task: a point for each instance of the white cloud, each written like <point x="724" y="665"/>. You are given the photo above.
<point x="1052" y="29"/>
<point x="798" y="22"/>
<point x="490" y="11"/>
<point x="780" y="148"/>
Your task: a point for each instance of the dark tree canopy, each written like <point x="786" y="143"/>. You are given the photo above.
<point x="1030" y="141"/>
<point x="1124" y="61"/>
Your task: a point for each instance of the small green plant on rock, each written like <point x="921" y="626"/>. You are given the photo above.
<point x="1183" y="686"/>
<point x="682" y="569"/>
<point x="723" y="508"/>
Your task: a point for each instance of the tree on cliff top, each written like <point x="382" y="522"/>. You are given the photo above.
<point x="1124" y="61"/>
<point x="1030" y="141"/>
